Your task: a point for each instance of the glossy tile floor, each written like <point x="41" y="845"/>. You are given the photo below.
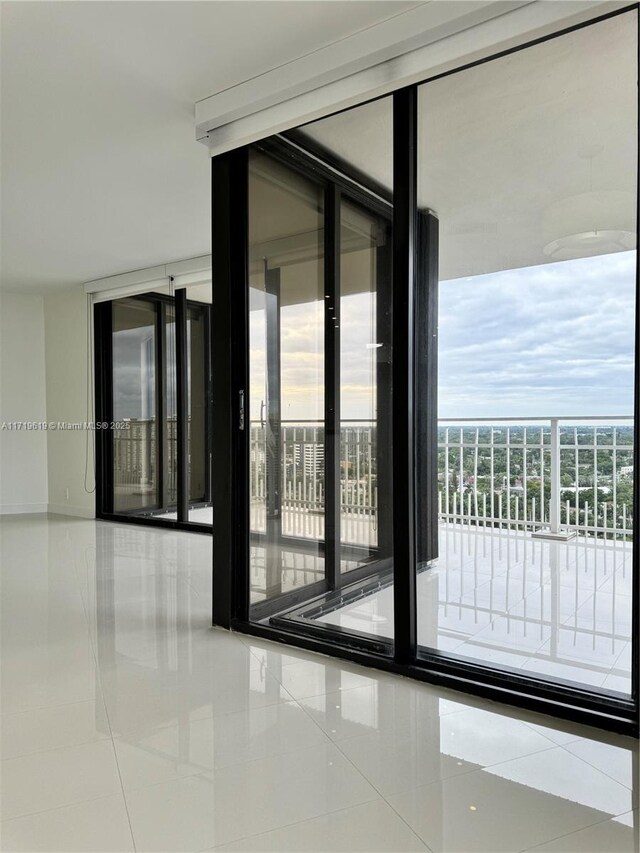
<point x="127" y="723"/>
<point x="197" y="515"/>
<point x="556" y="609"/>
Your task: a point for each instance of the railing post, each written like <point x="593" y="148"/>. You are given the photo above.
<point x="554" y="496"/>
<point x="553" y="532"/>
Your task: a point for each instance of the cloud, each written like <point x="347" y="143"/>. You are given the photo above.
<point x="548" y="340"/>
<point x="555" y="339"/>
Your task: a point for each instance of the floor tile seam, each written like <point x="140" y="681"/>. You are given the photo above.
<point x="582" y="685"/>
<point x="91" y="628"/>
<point x="336" y="662"/>
<point x="339" y="663"/>
<point x="124" y="798"/>
<point x="319" y="695"/>
<point x="369" y="782"/>
<point x="206" y="774"/>
<point x="618" y="592"/>
<point x="573" y="832"/>
<point x="113" y="746"/>
<point x="623" y="650"/>
<point x="45" y="707"/>
<point x="62" y="806"/>
<point x="197" y="591"/>
<point x="163" y="726"/>
<point x="597" y="683"/>
<point x="185" y="634"/>
<point x="111" y="668"/>
<point x="333" y="812"/>
<point x="584" y="625"/>
<point x="388" y="733"/>
<point x="204" y="771"/>
<point x="122" y="733"/>
<point x="466" y="772"/>
<point x="284" y="648"/>
<point x="386" y="800"/>
<point x="379" y="677"/>
<point x="530" y="724"/>
<point x="100" y="685"/>
<point x="490" y="767"/>
<point x="511" y="648"/>
<point x="54" y="748"/>
<point x="599" y="769"/>
<point x="164" y="633"/>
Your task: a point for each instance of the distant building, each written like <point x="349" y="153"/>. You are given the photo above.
<point x="310" y="457"/>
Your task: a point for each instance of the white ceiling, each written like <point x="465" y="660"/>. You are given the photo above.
<point x="100" y="169"/>
<point x="518" y="152"/>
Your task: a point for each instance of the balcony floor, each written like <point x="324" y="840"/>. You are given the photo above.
<point x="556" y="609"/>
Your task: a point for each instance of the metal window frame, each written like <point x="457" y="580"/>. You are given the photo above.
<point x="103" y="377"/>
<point x="230" y="570"/>
<point x="182" y="396"/>
<point x="336" y="187"/>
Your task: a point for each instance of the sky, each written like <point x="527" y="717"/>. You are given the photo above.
<point x="549" y="340"/>
<point x="129" y="374"/>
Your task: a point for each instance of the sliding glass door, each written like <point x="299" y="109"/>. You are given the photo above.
<point x="319" y="394"/>
<point x="135" y="435"/>
<point x="154" y="389"/>
<point x="530" y="162"/>
<point x="286" y="380"/>
<point x="429" y="440"/>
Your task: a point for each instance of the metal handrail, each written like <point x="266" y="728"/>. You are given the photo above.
<point x="490" y="473"/>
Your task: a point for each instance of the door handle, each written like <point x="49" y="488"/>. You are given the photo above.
<point x="241" y="409"/>
<point x="262" y="408"/>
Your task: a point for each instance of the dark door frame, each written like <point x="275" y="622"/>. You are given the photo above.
<point x="103" y="378"/>
<point x="231" y="542"/>
<point x="337" y="185"/>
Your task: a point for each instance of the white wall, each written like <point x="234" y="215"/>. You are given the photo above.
<point x="23" y="453"/>
<point x="67" y="364"/>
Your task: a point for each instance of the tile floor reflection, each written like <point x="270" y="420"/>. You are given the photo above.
<point x="127" y="723"/>
<point x="555" y="609"/>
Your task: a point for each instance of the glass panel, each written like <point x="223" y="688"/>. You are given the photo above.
<point x="134" y="401"/>
<point x="197" y="374"/>
<point x="365" y="382"/>
<point x="170" y="404"/>
<point x="286" y="395"/>
<point x="341" y="583"/>
<point x="199" y="401"/>
<point x="530" y="165"/>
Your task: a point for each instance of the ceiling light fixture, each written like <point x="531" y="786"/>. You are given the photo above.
<point x="598" y="222"/>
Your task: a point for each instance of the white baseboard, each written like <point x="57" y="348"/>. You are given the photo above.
<point x="22" y="509"/>
<point x="76" y="511"/>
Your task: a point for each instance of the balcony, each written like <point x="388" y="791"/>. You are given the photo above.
<point x="535" y="533"/>
<point x="535" y="530"/>
<point x="538" y="475"/>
